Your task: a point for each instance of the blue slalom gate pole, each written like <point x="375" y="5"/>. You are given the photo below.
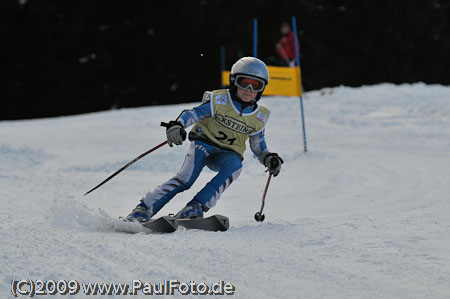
<point x="297" y="54"/>
<point x="255" y="38"/>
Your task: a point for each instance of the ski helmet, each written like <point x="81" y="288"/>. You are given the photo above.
<point x="251" y="67"/>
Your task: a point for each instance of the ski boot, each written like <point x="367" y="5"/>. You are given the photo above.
<point x="191" y="211"/>
<point x="141" y="213"/>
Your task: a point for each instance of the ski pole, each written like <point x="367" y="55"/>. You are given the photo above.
<point x="259" y="216"/>
<point x="127" y="165"/>
<point x="163" y="124"/>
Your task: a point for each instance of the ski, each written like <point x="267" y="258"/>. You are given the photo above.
<point x="164" y="224"/>
<point x="212" y="223"/>
<point x="169" y="224"/>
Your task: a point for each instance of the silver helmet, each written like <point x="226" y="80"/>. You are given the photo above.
<point x="249" y="66"/>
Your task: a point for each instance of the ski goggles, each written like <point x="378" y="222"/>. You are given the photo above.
<point x="245" y="82"/>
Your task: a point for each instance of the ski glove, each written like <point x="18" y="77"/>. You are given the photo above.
<point x="273" y="163"/>
<point x="175" y="133"/>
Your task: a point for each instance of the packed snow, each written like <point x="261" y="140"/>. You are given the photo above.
<point x="363" y="214"/>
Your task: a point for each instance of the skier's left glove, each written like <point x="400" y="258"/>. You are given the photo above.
<point x="273" y="163"/>
<point x="175" y="133"/>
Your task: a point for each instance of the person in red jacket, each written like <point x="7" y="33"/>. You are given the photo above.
<point x="286" y="45"/>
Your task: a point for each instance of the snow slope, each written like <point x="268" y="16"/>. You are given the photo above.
<point x="363" y="214"/>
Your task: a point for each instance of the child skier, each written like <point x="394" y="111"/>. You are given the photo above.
<point x="222" y="124"/>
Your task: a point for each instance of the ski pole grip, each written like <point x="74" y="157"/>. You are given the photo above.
<point x="274" y="163"/>
<point x="171" y="123"/>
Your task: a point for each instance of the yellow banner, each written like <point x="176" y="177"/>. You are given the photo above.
<point x="284" y="81"/>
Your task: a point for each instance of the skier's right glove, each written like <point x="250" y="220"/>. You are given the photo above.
<point x="175" y="133"/>
<point x="273" y="163"/>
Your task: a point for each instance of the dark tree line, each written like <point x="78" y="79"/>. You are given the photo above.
<point x="74" y="56"/>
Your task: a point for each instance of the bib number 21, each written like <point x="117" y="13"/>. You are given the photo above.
<point x="224" y="137"/>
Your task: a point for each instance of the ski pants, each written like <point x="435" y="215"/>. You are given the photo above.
<point x="227" y="163"/>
